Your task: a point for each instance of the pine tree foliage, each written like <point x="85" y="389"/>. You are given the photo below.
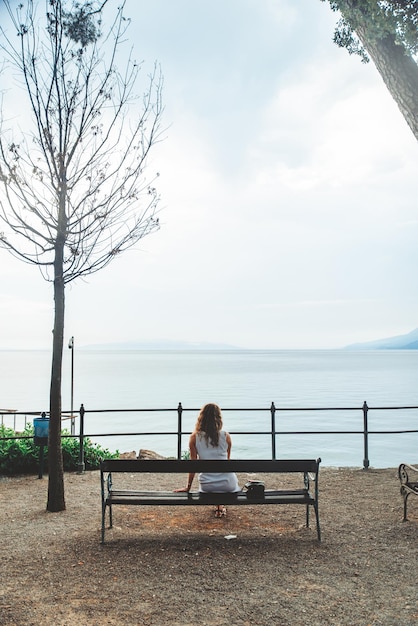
<point x="395" y="17"/>
<point x="386" y="32"/>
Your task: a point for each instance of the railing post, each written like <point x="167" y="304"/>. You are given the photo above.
<point x="179" y="429"/>
<point x="366" y="437"/>
<point x="273" y="431"/>
<point x="81" y="467"/>
<point x="71" y="346"/>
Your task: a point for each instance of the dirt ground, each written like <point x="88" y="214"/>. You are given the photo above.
<point x="177" y="566"/>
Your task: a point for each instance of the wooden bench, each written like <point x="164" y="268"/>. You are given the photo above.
<point x="309" y="469"/>
<point x="407" y="485"/>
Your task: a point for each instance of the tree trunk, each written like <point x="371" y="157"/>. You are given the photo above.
<point x="393" y="62"/>
<point x="56" y="499"/>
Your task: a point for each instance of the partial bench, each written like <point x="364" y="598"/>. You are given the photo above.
<point x="309" y="469"/>
<point x="407" y="486"/>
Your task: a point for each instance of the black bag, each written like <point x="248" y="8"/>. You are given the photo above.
<point x="254" y="489"/>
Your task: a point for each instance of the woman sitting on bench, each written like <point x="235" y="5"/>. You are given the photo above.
<point x="209" y="441"/>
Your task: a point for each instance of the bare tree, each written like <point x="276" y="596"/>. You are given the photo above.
<point x="73" y="194"/>
<point x="387" y="32"/>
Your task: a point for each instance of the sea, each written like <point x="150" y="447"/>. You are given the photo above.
<point x="318" y="396"/>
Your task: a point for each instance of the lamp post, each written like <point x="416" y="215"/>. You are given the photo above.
<point x="71" y="347"/>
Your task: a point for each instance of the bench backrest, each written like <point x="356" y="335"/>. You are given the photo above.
<point x="174" y="466"/>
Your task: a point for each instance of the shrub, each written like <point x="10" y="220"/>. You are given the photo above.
<point x="19" y="454"/>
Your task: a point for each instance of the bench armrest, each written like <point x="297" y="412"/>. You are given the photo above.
<point x="403" y="472"/>
<point x="105" y="484"/>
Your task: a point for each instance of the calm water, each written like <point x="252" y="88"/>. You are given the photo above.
<point x="235" y="380"/>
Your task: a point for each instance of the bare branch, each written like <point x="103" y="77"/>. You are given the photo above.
<point x="79" y="177"/>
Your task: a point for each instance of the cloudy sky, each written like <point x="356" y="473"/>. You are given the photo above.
<point x="289" y="190"/>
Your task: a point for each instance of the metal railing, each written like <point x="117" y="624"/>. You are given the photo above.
<point x="273" y="432"/>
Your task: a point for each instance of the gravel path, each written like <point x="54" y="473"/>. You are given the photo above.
<point x="174" y="566"/>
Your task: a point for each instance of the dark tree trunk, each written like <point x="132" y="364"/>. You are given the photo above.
<point x="56" y="499"/>
<point x="393" y="62"/>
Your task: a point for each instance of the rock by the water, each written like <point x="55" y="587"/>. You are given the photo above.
<point x="149" y="455"/>
<point x="128" y="455"/>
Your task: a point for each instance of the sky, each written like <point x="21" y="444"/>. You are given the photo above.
<point x="288" y="184"/>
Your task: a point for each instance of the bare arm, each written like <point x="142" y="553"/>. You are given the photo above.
<point x="229" y="443"/>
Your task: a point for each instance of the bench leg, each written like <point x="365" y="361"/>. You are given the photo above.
<point x="318" y="528"/>
<point x="103" y="521"/>
<point x="405" y="505"/>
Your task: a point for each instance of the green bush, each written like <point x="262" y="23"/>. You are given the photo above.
<point x="19" y="454"/>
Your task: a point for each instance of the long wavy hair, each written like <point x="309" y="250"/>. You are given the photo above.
<point x="209" y="423"/>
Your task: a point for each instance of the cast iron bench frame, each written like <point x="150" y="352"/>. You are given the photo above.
<point x="305" y="496"/>
<point x="407" y="486"/>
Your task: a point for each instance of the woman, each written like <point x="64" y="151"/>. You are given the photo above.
<point x="209" y="441"/>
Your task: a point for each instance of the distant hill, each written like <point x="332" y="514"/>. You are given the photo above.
<point x="400" y="342"/>
<point x="161" y="345"/>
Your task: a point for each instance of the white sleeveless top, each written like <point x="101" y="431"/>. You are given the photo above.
<point x="219" y="482"/>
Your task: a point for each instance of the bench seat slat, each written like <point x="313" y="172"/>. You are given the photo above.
<point x="156" y="498"/>
<point x="412" y="486"/>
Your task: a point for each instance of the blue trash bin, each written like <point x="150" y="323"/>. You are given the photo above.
<point x="41" y="430"/>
